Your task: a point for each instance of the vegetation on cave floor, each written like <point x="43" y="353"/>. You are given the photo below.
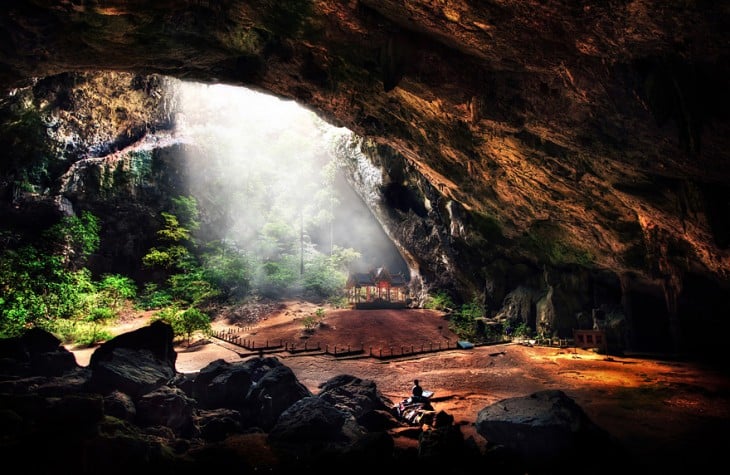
<point x="47" y="284"/>
<point x="469" y="323"/>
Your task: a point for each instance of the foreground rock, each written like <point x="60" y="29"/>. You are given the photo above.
<point x="129" y="410"/>
<point x="547" y="430"/>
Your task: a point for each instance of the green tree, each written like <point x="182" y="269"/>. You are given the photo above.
<point x="176" y="242"/>
<point x="186" y="322"/>
<point x="193" y="320"/>
<point x="46" y="281"/>
<point x="323" y="278"/>
<point x="228" y="269"/>
<point x="74" y="237"/>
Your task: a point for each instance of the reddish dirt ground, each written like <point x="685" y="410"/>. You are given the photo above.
<point x="662" y="410"/>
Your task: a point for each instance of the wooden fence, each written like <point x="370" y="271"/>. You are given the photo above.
<point x="235" y="337"/>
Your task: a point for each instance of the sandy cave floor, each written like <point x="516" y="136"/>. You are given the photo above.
<point x="659" y="409"/>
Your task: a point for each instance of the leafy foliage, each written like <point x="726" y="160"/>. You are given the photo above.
<point x="35" y="285"/>
<point x="186" y="322"/>
<point x="276" y="277"/>
<point x="439" y="300"/>
<point x="323" y="277"/>
<point x="166" y="258"/>
<point x="191" y="287"/>
<point x="311" y="322"/>
<point x="75" y="237"/>
<point x="79" y="332"/>
<point x="192" y="320"/>
<point x="153" y="298"/>
<point x="186" y="208"/>
<point x="116" y="289"/>
<point x="521" y="330"/>
<point x="45" y="284"/>
<point x="173" y="231"/>
<point x="465" y="321"/>
<point x="338" y="300"/>
<point x="227" y="269"/>
<point x="28" y="151"/>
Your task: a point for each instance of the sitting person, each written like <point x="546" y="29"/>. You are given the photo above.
<point x="416" y="392"/>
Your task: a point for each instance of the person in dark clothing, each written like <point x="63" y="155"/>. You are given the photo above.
<point x="416" y="392"/>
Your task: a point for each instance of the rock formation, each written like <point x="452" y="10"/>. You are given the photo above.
<point x="130" y="411"/>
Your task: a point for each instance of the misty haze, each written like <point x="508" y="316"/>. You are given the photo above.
<point x="267" y="178"/>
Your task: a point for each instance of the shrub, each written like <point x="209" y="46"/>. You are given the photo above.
<point x="439" y="301"/>
<point x="191" y="321"/>
<point x="101" y="314"/>
<point x="227" y="269"/>
<point x="153" y="298"/>
<point x="522" y="330"/>
<point x="191" y="286"/>
<point x="310" y="322"/>
<point x="186" y="322"/>
<point x="338" y="301"/>
<point x="464" y="321"/>
<point x="81" y="333"/>
<point x="115" y="289"/>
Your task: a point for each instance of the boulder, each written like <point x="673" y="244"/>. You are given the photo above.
<point x="132" y="371"/>
<point x="156" y="338"/>
<point x="314" y="435"/>
<point x="217" y="424"/>
<point x="545" y="431"/>
<point x="36" y="352"/>
<point x="355" y="395"/>
<point x="224" y="384"/>
<point x="168" y="407"/>
<point x="273" y="394"/>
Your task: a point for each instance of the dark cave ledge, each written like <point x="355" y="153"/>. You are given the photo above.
<point x="580" y="151"/>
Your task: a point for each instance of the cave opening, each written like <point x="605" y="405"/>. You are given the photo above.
<point x="267" y="176"/>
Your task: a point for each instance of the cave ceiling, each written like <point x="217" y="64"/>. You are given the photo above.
<point x="603" y="124"/>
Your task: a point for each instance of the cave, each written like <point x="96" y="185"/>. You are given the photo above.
<point x="543" y="160"/>
<point x="580" y="147"/>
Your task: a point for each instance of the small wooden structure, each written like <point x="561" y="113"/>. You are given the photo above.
<point x="376" y="289"/>
<point x="590" y="339"/>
